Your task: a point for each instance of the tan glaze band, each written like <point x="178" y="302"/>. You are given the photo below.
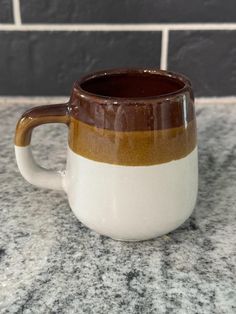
<point x="138" y="148"/>
<point x="133" y="148"/>
<point x="37" y="116"/>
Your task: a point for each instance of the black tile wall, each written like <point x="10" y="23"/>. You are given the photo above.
<point x="47" y="63"/>
<point x="208" y="58"/>
<point x="127" y="11"/>
<point x="6" y="12"/>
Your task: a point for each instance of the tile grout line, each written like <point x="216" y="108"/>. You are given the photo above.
<point x="164" y="49"/>
<point x="16" y="13"/>
<point x="33" y="100"/>
<point x="18" y="26"/>
<point x="229" y="100"/>
<point x="44" y="100"/>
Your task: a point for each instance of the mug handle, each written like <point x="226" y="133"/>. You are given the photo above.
<point x="29" y="169"/>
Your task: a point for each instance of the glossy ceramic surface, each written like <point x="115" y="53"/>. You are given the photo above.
<point x="128" y="129"/>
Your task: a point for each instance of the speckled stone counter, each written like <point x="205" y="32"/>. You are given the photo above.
<point x="51" y="263"/>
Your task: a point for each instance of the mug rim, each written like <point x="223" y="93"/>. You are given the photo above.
<point x="180" y="78"/>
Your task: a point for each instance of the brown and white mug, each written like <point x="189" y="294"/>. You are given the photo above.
<point x="132" y="165"/>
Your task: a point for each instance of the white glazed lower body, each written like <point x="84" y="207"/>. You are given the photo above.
<point x="132" y="203"/>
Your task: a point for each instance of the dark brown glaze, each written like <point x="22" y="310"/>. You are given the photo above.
<point x="133" y="100"/>
<point x="37" y="116"/>
<point x="124" y="117"/>
<point x="131" y="84"/>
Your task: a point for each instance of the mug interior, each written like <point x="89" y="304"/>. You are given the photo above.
<point x="133" y="84"/>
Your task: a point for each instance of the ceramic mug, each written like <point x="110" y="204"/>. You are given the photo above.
<point x="132" y="165"/>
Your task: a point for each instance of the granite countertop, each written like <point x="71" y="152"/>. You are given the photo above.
<point x="51" y="263"/>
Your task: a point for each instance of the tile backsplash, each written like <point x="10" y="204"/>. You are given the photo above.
<point x="127" y="11"/>
<point x="45" y="45"/>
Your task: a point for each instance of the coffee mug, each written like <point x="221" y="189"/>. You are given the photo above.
<point x="132" y="165"/>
